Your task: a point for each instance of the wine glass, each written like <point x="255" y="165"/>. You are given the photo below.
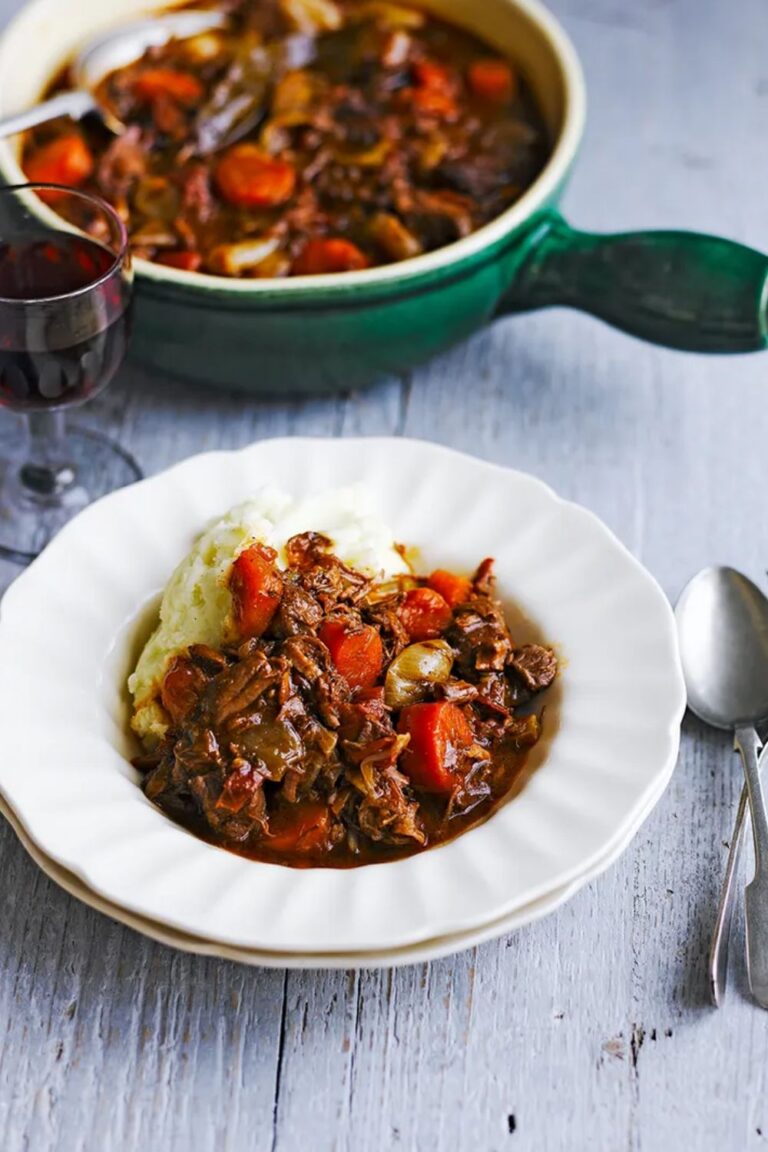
<point x="65" y="315"/>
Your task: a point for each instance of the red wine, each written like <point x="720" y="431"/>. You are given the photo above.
<point x="64" y="320"/>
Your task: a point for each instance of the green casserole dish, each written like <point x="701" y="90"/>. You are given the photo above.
<point x="318" y="334"/>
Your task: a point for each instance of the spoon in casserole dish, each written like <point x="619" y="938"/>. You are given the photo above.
<point x="102" y="56"/>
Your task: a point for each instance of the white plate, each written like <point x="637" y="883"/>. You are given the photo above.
<point x="64" y="652"/>
<point x="396" y="958"/>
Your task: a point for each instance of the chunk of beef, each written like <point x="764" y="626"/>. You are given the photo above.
<point x="324" y="689"/>
<point x="535" y="666"/>
<point x="124" y="162"/>
<point x="388" y="811"/>
<point x="386" y="618"/>
<point x="484" y="580"/>
<point x="299" y="611"/>
<point x="480" y="636"/>
<point x="197" y="199"/>
<point x="458" y="691"/>
<point x="321" y="574"/>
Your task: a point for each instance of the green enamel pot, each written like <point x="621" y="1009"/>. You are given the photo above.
<point x="324" y="333"/>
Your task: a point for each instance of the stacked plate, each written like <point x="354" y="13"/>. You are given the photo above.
<point x="71" y="626"/>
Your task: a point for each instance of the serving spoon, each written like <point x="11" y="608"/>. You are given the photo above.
<point x="722" y="621"/>
<point x="102" y="56"/>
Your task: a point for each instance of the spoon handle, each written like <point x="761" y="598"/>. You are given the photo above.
<point x="75" y="104"/>
<point x="718" y="949"/>
<point x="747" y="742"/>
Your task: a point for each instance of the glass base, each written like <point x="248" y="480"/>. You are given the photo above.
<point x="35" y="506"/>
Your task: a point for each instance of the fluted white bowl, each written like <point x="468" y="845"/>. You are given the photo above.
<point x="432" y="949"/>
<point x="71" y="624"/>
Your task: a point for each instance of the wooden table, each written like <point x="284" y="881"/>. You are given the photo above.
<point x="590" y="1030"/>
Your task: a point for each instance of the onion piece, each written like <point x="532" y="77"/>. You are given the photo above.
<point x="391" y="15"/>
<point x="310" y="17"/>
<point x="155" y="234"/>
<point x="274" y="136"/>
<point x="415" y="671"/>
<point x="388" y="589"/>
<point x="365" y="158"/>
<point x="206" y="46"/>
<point x="236" y="259"/>
<point x="297" y="91"/>
<point x="391" y="234"/>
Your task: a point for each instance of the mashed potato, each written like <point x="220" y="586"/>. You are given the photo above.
<point x="197" y="605"/>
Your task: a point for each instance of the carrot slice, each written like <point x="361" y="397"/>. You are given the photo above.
<point x="329" y="255"/>
<point x="430" y="74"/>
<point x="245" y="176"/>
<point x="357" y="653"/>
<point x="185" y="260"/>
<point x="438" y="733"/>
<point x="492" y="80"/>
<point x="302" y="827"/>
<point x="256" y="588"/>
<point x="65" y="160"/>
<point x="425" y="614"/>
<point x="453" y="589"/>
<point x="435" y="89"/>
<point x="434" y="103"/>
<point x="180" y="86"/>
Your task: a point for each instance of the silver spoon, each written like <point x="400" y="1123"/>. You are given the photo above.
<point x="718" y="949"/>
<point x="722" y="620"/>
<point x="102" y="56"/>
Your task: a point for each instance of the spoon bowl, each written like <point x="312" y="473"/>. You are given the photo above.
<point x="722" y="620"/>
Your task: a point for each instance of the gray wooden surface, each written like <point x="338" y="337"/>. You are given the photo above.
<point x="591" y="1029"/>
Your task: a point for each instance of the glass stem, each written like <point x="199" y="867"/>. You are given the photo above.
<point x="45" y="474"/>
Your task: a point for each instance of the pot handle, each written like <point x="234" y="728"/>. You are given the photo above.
<point x="685" y="290"/>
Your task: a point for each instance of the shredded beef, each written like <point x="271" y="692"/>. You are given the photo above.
<point x="124" y="162"/>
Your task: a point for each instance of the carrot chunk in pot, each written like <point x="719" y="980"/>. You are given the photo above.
<point x="186" y="261"/>
<point x="329" y="255"/>
<point x="179" y="86"/>
<point x="435" y="90"/>
<point x="246" y="177"/>
<point x="65" y="160"/>
<point x="492" y="80"/>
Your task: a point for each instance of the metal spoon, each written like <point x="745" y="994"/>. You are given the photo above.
<point x="104" y="55"/>
<point x="722" y="620"/>
<point x="718" y="948"/>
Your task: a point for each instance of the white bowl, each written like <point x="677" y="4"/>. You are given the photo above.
<point x="68" y="632"/>
<point x="433" y="949"/>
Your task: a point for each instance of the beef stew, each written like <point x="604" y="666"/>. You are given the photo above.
<point x="352" y="722"/>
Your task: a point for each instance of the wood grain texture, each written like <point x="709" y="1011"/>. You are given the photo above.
<point x="589" y="1030"/>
